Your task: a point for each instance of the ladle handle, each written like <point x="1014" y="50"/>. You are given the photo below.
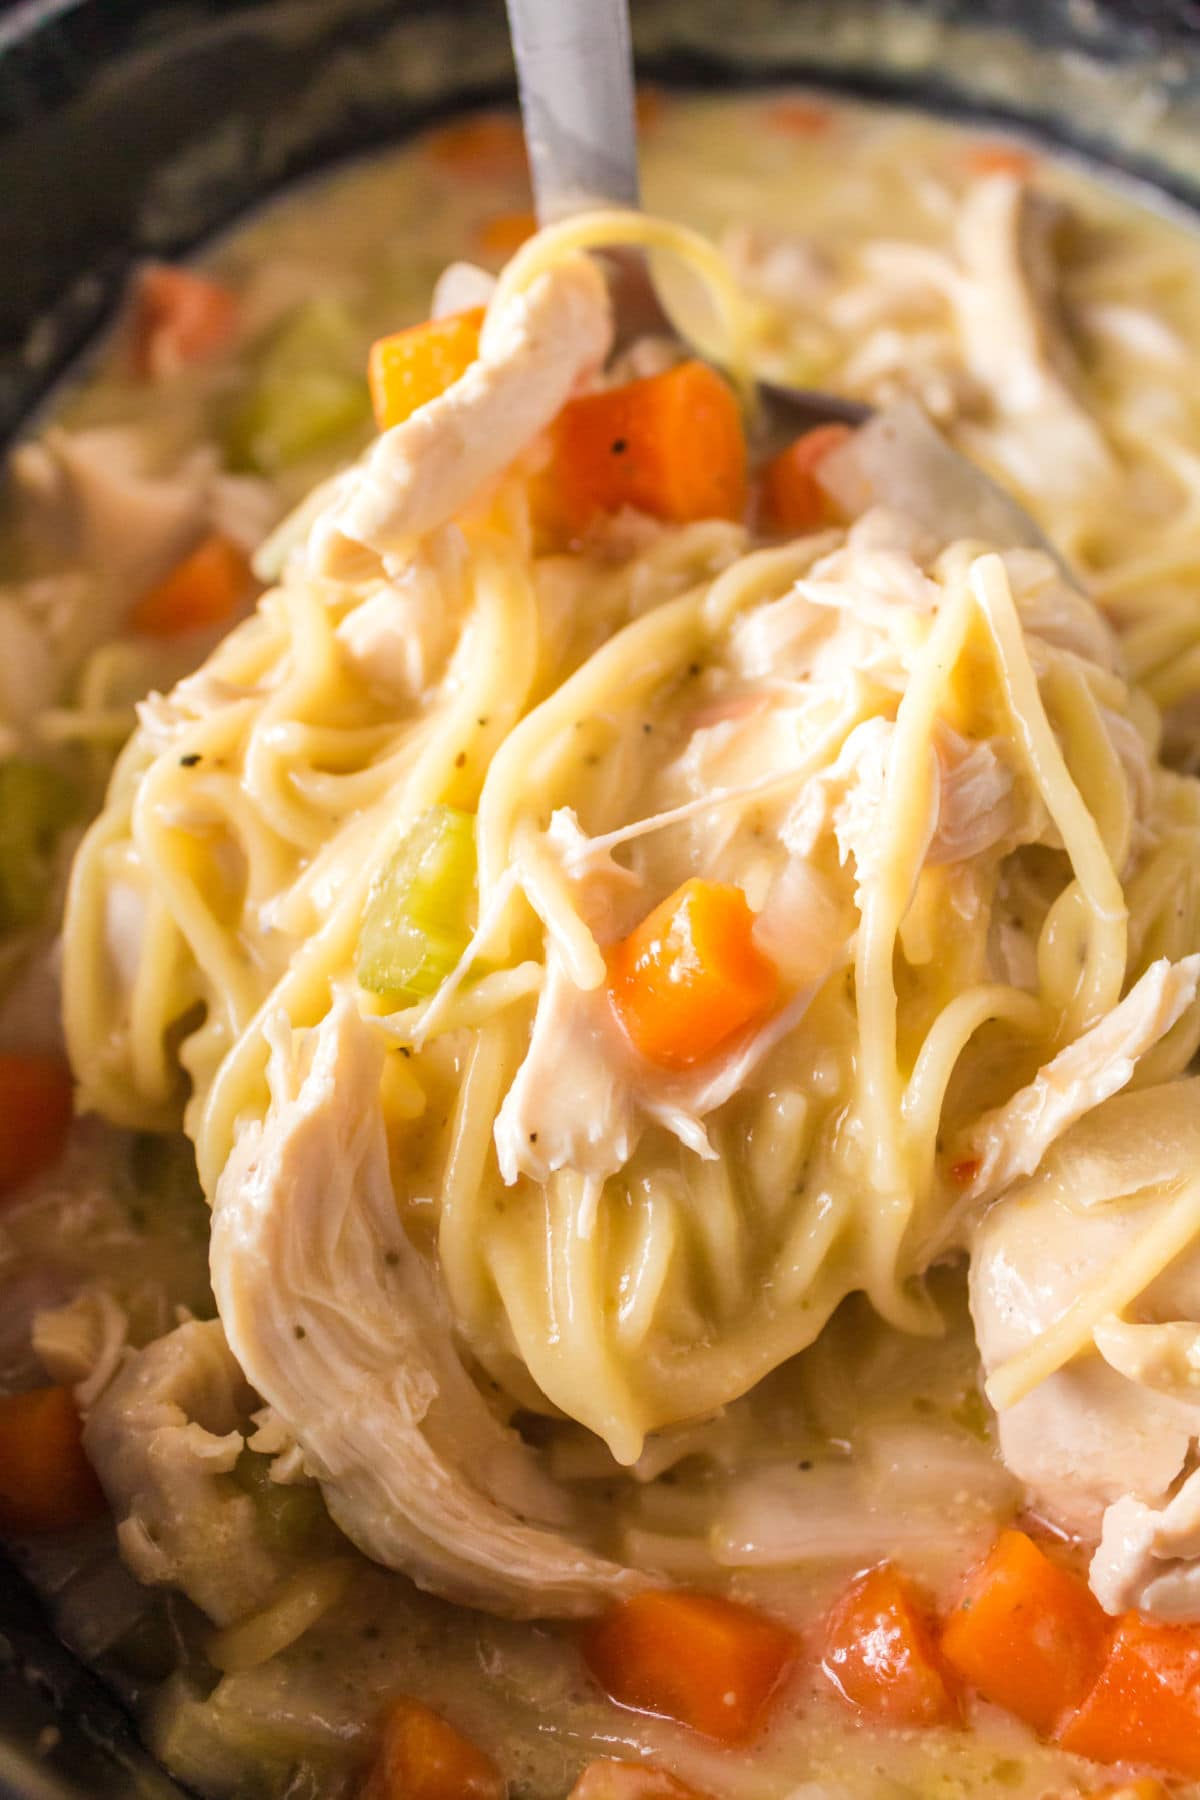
<point x="575" y="73"/>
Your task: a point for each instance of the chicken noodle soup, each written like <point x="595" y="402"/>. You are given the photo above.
<point x="630" y="1222"/>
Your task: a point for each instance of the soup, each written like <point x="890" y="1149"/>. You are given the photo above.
<point x="628" y="1221"/>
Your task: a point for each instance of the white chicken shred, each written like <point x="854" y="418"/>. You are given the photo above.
<point x="341" y="1327"/>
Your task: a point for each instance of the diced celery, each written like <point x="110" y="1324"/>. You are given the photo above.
<point x="282" y="422"/>
<point x="308" y="391"/>
<point x="417" y="922"/>
<point x="290" y="1517"/>
<point x="36" y="802"/>
<point x="317" y="334"/>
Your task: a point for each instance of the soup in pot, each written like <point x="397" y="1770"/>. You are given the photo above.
<point x="596" y="1115"/>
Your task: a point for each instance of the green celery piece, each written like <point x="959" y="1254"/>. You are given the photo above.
<point x="290" y="1517"/>
<point x="417" y="922"/>
<point x="36" y="802"/>
<point x="317" y="334"/>
<point x="308" y="391"/>
<point x="282" y="422"/>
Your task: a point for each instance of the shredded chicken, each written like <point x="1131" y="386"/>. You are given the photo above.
<point x="94" y="510"/>
<point x="571" y="1104"/>
<point x="1015" y="336"/>
<point x="532" y="355"/>
<point x="1107" y="1442"/>
<point x="345" y="1334"/>
<point x="163" y="1438"/>
<point x="1011" y="1141"/>
<point x="87" y="498"/>
<point x="790" y="272"/>
<point x="459" y="287"/>
<point x="401" y="635"/>
<point x="805" y="924"/>
<point x="976" y="803"/>
<point x="972" y="803"/>
<point x="1015" y="340"/>
<point x="1086" y="1435"/>
<point x="846" y="798"/>
<point x="1148" y="1557"/>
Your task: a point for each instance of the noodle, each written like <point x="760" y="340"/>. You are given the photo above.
<point x="252" y="817"/>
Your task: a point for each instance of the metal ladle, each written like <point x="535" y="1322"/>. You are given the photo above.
<point x="576" y="78"/>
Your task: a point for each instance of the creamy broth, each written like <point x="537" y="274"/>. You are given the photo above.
<point x="840" y="222"/>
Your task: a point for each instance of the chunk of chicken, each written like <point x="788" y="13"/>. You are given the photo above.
<point x="533" y="353"/>
<point x="1149" y="1556"/>
<point x="163" y="1438"/>
<point x="95" y="512"/>
<point x="1011" y="1140"/>
<point x="1086" y="1435"/>
<point x="1010" y="310"/>
<point x="1104" y="1442"/>
<point x="400" y="638"/>
<point x="459" y="287"/>
<point x="976" y="805"/>
<point x="972" y="802"/>
<point x="86" y="497"/>
<point x="341" y="1326"/>
<point x="1015" y="339"/>
<point x="571" y="1104"/>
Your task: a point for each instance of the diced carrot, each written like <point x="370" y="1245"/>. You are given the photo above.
<point x="488" y="144"/>
<point x="881" y="1655"/>
<point x="611" y="1780"/>
<point x="414" y="366"/>
<point x="999" y="158"/>
<point x="35" y="1115"/>
<point x="205" y="589"/>
<point x="691" y="975"/>
<point x="504" y="233"/>
<point x="1027" y="1634"/>
<point x="46" y="1481"/>
<point x="1145" y="1787"/>
<point x="1144" y="1706"/>
<point x="179" y="318"/>
<point x="671" y="445"/>
<point x="799" y="118"/>
<point x="420" y="1756"/>
<point x="697" y="1658"/>
<point x="792" y="496"/>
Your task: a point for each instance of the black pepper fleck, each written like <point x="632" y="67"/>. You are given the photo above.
<point x="298" y="1331"/>
<point x="620" y="446"/>
<point x="190" y="760"/>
